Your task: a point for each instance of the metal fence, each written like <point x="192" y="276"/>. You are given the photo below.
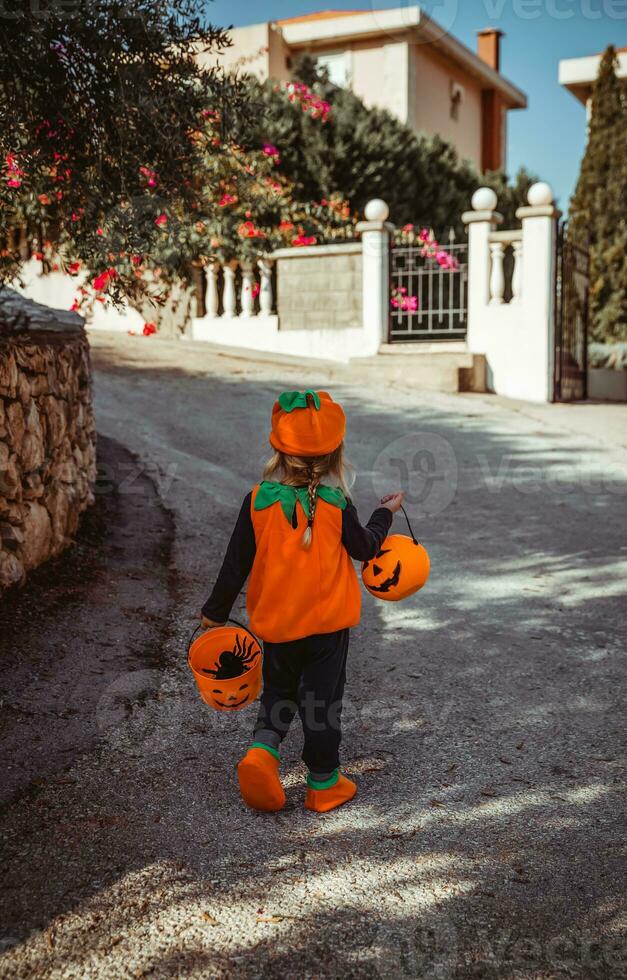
<point x="571" y="319"/>
<point x="428" y="302"/>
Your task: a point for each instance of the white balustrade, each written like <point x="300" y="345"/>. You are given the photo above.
<point x="517" y="272"/>
<point x="247" y="298"/>
<point x="249" y="289"/>
<point x="229" y="299"/>
<point x="497" y="274"/>
<point x="266" y="299"/>
<point x="499" y="242"/>
<point x="212" y="299"/>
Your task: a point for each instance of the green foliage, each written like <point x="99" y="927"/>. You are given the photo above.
<point x="100" y="101"/>
<point x="360" y="153"/>
<point x="597" y="209"/>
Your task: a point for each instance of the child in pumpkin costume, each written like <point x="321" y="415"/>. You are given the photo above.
<point x="295" y="539"/>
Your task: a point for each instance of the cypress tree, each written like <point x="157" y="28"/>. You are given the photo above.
<point x="597" y="208"/>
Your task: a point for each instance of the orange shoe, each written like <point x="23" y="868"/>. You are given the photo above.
<point x="323" y="797"/>
<point x="259" y="782"/>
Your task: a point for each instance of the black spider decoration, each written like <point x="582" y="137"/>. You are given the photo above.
<point x="233" y="663"/>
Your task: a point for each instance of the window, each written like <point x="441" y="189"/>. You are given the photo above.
<point x="336" y="65"/>
<point x="457" y="97"/>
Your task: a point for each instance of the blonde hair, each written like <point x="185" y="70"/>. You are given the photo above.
<point x="298" y="471"/>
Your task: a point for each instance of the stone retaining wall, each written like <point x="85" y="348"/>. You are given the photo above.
<point x="47" y="433"/>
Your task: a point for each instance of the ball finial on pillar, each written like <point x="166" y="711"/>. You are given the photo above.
<point x="484" y="199"/>
<point x="540" y="194"/>
<point x="376" y="210"/>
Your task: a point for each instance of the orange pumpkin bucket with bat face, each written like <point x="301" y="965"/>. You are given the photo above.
<point x="400" y="567"/>
<point x="226" y="664"/>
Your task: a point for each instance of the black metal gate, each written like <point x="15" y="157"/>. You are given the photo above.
<point x="571" y="320"/>
<point x="429" y="297"/>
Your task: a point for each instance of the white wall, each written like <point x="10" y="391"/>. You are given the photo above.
<point x="517" y="338"/>
<point x="58" y="290"/>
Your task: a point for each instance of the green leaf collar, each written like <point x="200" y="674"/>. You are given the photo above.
<point x="270" y="493"/>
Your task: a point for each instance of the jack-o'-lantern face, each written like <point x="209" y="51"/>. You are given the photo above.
<point x="228" y="699"/>
<point x="226" y="663"/>
<point x="400" y="568"/>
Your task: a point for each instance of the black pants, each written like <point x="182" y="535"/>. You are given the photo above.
<point x="307" y="676"/>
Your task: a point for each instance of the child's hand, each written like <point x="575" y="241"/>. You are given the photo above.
<point x="208" y="624"/>
<point x="393" y="501"/>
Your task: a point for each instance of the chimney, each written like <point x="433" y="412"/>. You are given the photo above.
<point x="489" y="47"/>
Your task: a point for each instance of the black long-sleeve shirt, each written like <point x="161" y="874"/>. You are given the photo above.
<point x="362" y="544"/>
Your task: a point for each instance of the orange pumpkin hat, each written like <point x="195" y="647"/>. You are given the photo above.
<point x="300" y="428"/>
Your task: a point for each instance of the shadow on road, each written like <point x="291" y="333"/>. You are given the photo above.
<point x="483" y="724"/>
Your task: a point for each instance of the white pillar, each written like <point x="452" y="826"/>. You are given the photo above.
<point x="247" y="299"/>
<point x="480" y="222"/>
<point x="212" y="300"/>
<point x="229" y="298"/>
<point x="497" y="274"/>
<point x="539" y="222"/>
<point x="266" y="300"/>
<point x="375" y="239"/>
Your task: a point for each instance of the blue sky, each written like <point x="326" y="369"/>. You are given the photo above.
<point x="548" y="137"/>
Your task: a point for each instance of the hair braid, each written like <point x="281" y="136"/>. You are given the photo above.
<point x="313" y="481"/>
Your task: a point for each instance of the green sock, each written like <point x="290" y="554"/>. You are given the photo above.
<point x="322" y="780"/>
<point x="268" y="748"/>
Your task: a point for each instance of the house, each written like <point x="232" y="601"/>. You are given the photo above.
<point x="578" y="75"/>
<point x="401" y="60"/>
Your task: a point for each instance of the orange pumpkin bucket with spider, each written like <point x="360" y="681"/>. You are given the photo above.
<point x="226" y="664"/>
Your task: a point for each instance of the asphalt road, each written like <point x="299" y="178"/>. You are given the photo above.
<point x="483" y="716"/>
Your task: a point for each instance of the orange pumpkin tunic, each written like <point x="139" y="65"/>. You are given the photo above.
<point x="295" y="592"/>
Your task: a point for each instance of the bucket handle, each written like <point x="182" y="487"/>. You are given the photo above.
<point x="229" y="620"/>
<point x="413" y="536"/>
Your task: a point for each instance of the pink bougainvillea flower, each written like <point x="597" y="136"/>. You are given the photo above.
<point x="247" y="229"/>
<point x="149" y="329"/>
<point x="309" y="101"/>
<point x="136" y="259"/>
<point x="73" y="268"/>
<point x="302" y="240"/>
<point x="227" y="199"/>
<point x="401" y="301"/>
<point x="102" y="281"/>
<point x="407" y="229"/>
<point x="161" y="220"/>
<point x="424" y="235"/>
<point x="271" y="151"/>
<point x="14" y="172"/>
<point x="99" y="231"/>
<point x="150" y="175"/>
